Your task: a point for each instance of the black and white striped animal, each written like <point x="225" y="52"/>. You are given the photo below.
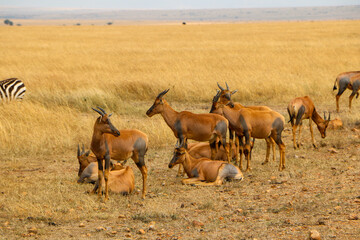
<point x="11" y="89"/>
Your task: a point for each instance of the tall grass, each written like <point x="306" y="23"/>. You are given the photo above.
<point x="69" y="69"/>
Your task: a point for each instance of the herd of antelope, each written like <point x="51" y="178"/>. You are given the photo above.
<point x="208" y="161"/>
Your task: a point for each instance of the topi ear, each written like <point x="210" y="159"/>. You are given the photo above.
<point x="87" y="153"/>
<point x="233" y="92"/>
<point x="110" y="115"/>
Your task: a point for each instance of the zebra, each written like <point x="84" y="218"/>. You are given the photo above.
<point x="11" y="89"/>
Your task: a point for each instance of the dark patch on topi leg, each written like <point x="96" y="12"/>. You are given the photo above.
<point x="299" y="115"/>
<point x="356" y="87"/>
<point x="278" y="125"/>
<point x="222" y="127"/>
<point x="343" y="83"/>
<point x="179" y="132"/>
<point x="140" y="146"/>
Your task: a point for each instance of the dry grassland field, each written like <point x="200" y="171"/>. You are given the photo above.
<point x="69" y="69"/>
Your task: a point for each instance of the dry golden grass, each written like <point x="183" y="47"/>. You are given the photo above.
<point x="69" y="69"/>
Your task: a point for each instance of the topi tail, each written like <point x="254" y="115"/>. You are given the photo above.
<point x="231" y="172"/>
<point x="334" y="88"/>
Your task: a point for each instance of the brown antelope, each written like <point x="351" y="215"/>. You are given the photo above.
<point x="186" y="125"/>
<point x="84" y="159"/>
<point x="225" y="98"/>
<point x="90" y="173"/>
<point x="249" y="123"/>
<point x="181" y="172"/>
<point x="217" y="107"/>
<point x="225" y="95"/>
<point x="347" y="80"/>
<point x="204" y="171"/>
<point x="302" y="108"/>
<point x="121" y="180"/>
<point x="126" y="144"/>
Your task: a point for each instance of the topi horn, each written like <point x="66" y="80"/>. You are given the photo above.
<point x="102" y="110"/>
<point x="221" y="88"/>
<point x="78" y="151"/>
<point x="216" y="97"/>
<point x="102" y="114"/>
<point x="162" y="93"/>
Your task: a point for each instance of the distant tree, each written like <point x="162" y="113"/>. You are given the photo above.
<point x="18" y="24"/>
<point x="109" y="23"/>
<point x="184" y="23"/>
<point x="78" y="24"/>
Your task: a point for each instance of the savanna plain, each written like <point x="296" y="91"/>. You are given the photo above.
<point x="69" y="69"/>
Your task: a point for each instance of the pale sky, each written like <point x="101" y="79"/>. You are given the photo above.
<point x="173" y="4"/>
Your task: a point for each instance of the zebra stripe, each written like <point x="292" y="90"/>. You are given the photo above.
<point x="11" y="89"/>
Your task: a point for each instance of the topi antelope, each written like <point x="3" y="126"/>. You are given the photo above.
<point x="204" y="171"/>
<point x="121" y="180"/>
<point x="301" y="108"/>
<point x="249" y="123"/>
<point x="90" y="173"/>
<point x="347" y="80"/>
<point x="186" y="125"/>
<point x="130" y="143"/>
<point x="224" y="97"/>
<point x="217" y="108"/>
<point x="84" y="159"/>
